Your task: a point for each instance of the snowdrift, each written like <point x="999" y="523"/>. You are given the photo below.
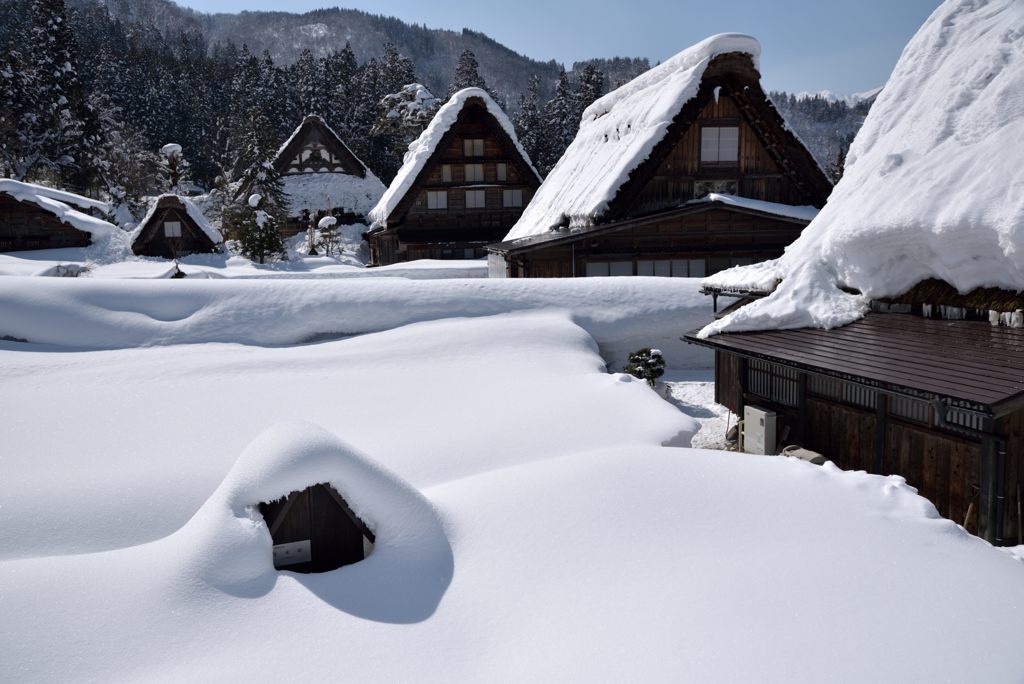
<point x="623" y="314"/>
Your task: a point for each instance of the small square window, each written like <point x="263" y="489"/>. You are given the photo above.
<point x="172" y="228"/>
<point x="719" y="145"/>
<point x="469" y="253"/>
<point x="512" y="198"/>
<point x="620" y="268"/>
<point x="437" y="199"/>
<point x="446" y="173"/>
<point x="474" y="173"/>
<point x="644" y="267"/>
<point x="501" y="171"/>
<point x="663" y="268"/>
<point x="473" y="147"/>
<point x="476" y="199"/>
<point x="597" y="268"/>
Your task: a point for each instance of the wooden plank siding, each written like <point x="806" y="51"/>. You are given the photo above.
<point x="24" y="226"/>
<point x="866" y="401"/>
<point x="718" y="235"/>
<point x="756" y="173"/>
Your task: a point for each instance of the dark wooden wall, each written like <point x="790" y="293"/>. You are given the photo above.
<point x="152" y="242"/>
<point x="945" y="467"/>
<point x="756" y="173"/>
<point x="721" y="237"/>
<point x="24" y="226"/>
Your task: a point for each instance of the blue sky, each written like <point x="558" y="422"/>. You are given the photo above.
<point x="811" y="45"/>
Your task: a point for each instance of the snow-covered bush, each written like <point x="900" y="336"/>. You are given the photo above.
<point x="646" y="364"/>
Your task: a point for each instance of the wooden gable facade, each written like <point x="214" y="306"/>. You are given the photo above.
<point x="170" y="231"/>
<point x="470" y="193"/>
<point x="930" y="393"/>
<point x="314" y="148"/>
<point x="729" y="139"/>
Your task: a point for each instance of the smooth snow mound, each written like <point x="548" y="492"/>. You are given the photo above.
<point x="617" y="133"/>
<point x="227" y="542"/>
<point x="312" y="192"/>
<point x="423" y="147"/>
<point x="934" y="182"/>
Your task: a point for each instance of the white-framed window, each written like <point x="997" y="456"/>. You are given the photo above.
<point x="474" y="173"/>
<point x="172" y="229"/>
<point x="446" y="173"/>
<point x="512" y="198"/>
<point x="437" y="199"/>
<point x="501" y="171"/>
<point x="473" y="147"/>
<point x="476" y="199"/>
<point x="719" y="145"/>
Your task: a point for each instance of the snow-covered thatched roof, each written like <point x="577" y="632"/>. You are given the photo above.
<point x="63" y="205"/>
<point x="421" y="150"/>
<point x="618" y="132"/>
<point x="171" y="200"/>
<point x="933" y="187"/>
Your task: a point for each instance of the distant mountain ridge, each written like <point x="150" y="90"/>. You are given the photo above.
<point x="434" y="51"/>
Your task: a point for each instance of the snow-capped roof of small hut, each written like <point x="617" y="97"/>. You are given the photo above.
<point x="316" y="165"/>
<point x="633" y="128"/>
<point x="427" y="145"/>
<point x="68" y="207"/>
<point x="933" y="188"/>
<point x="182" y="204"/>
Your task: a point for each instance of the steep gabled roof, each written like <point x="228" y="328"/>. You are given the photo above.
<point x="352" y="164"/>
<point x="424" y="149"/>
<point x="933" y="186"/>
<point x="63" y="205"/>
<point x="625" y="135"/>
<point x="171" y="201"/>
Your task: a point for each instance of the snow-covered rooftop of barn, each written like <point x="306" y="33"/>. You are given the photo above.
<point x="62" y="205"/>
<point x="317" y="191"/>
<point x="617" y="133"/>
<point x="424" y="146"/>
<point x="193" y="213"/>
<point x="933" y="186"/>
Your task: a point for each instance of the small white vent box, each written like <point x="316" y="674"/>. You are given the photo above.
<point x="759" y="430"/>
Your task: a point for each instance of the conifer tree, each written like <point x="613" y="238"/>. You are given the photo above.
<point x="467" y="75"/>
<point x="307" y="76"/>
<point x="560" y="123"/>
<point x="173" y="172"/>
<point x="528" y="122"/>
<point x="256" y="225"/>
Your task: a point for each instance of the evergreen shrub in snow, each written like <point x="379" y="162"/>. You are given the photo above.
<point x="646" y="364"/>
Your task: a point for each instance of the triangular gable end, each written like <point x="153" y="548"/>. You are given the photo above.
<point x="729" y="90"/>
<point x="315" y="147"/>
<point x="474" y="110"/>
<point x="151" y="239"/>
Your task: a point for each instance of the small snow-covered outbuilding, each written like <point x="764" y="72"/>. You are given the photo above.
<point x="321" y="176"/>
<point x="890" y="336"/>
<point x="684" y="171"/>
<point x="172" y="228"/>
<point x="464" y="183"/>
<point x="37" y="217"/>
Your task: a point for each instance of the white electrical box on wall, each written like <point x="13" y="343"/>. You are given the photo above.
<point x="759" y="434"/>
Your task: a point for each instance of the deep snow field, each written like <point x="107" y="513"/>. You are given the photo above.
<point x="537" y="517"/>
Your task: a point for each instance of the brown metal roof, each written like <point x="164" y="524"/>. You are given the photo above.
<point x="965" y="360"/>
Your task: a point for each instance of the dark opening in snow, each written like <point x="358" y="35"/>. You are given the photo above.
<point x="315" y="531"/>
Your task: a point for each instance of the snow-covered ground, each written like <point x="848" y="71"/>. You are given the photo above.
<point x="530" y="523"/>
<point x="693" y="393"/>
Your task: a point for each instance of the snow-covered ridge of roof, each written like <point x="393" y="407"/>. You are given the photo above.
<point x="617" y="133"/>
<point x="424" y="146"/>
<point x="933" y="186"/>
<point x="310" y="191"/>
<point x="803" y="212"/>
<point x="13" y="187"/>
<point x="193" y="212"/>
<point x="58" y="203"/>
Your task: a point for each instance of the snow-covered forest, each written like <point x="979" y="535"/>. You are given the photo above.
<point x="89" y="99"/>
